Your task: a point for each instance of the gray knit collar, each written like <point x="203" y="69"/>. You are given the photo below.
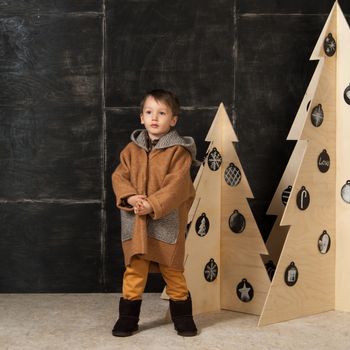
<point x="172" y="138"/>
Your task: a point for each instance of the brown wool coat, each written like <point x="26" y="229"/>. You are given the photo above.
<point x="163" y="175"/>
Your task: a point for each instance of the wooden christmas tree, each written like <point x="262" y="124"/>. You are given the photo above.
<point x="223" y="266"/>
<point x="311" y="273"/>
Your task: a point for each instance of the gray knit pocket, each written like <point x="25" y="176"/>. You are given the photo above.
<point x="165" y="229"/>
<point x="127" y="223"/>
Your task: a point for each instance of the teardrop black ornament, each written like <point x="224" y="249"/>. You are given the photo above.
<point x="317" y="116"/>
<point x="291" y="274"/>
<point x="347" y="95"/>
<point x="236" y="222"/>
<point x="202" y="225"/>
<point x="329" y="45"/>
<point x="324" y="242"/>
<point x="270" y="268"/>
<point x="286" y="194"/>
<point x="232" y="175"/>
<point x="303" y="198"/>
<point x="345" y="192"/>
<point x="211" y="271"/>
<point x="308" y="105"/>
<point x="245" y="291"/>
<point x="214" y="159"/>
<point x="323" y="161"/>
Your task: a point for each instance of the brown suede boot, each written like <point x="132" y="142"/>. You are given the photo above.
<point x="129" y="312"/>
<point x="181" y="314"/>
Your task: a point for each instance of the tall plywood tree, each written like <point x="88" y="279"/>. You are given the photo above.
<point x="223" y="265"/>
<point x="305" y="279"/>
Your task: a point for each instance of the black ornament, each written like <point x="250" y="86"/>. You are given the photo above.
<point x="232" y="175"/>
<point x="308" y="105"/>
<point x="323" y="161"/>
<point x="270" y="268"/>
<point x="236" y="222"/>
<point x="317" y="116"/>
<point x="202" y="225"/>
<point x="214" y="159"/>
<point x="286" y="194"/>
<point x="245" y="291"/>
<point x="347" y="95"/>
<point x="329" y="45"/>
<point x="211" y="270"/>
<point x="303" y="198"/>
<point x="291" y="274"/>
<point x="324" y="242"/>
<point x="345" y="192"/>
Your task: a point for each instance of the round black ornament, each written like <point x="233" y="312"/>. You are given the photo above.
<point x="214" y="159"/>
<point x="347" y="95"/>
<point x="329" y="45"/>
<point x="211" y="270"/>
<point x="323" y="161"/>
<point x="345" y="192"/>
<point x="245" y="291"/>
<point x="317" y="116"/>
<point x="236" y="222"/>
<point x="202" y="225"/>
<point x="232" y="175"/>
<point x="303" y="198"/>
<point x="324" y="242"/>
<point x="291" y="274"/>
<point x="286" y="194"/>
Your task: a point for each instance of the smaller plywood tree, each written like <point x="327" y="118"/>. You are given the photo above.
<point x="223" y="266"/>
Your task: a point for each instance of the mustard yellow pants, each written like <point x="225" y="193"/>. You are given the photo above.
<point x="135" y="279"/>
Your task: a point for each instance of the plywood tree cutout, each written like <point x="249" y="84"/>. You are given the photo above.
<point x="278" y="233"/>
<point x="223" y="266"/>
<point x="304" y="281"/>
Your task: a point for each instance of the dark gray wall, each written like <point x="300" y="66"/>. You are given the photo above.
<point x="72" y="74"/>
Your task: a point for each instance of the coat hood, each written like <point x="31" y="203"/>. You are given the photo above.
<point x="172" y="138"/>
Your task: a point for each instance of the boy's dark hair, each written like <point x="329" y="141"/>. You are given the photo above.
<point x="164" y="96"/>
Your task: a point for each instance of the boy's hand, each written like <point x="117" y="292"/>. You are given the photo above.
<point x="142" y="207"/>
<point x="132" y="200"/>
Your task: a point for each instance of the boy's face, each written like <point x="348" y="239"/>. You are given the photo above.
<point x="157" y="117"/>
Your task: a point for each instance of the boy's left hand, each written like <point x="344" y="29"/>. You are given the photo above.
<point x="142" y="207"/>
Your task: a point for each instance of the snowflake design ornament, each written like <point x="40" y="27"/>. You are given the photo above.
<point x="211" y="270"/>
<point x="317" y="116"/>
<point x="214" y="159"/>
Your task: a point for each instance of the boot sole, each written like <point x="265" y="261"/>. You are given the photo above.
<point x="187" y="334"/>
<point x="124" y="334"/>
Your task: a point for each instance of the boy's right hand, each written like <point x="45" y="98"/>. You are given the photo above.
<point x="132" y="200"/>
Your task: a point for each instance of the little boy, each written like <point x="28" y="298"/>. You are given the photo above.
<point x="154" y="191"/>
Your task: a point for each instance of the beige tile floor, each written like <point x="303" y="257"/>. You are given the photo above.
<point x="84" y="321"/>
